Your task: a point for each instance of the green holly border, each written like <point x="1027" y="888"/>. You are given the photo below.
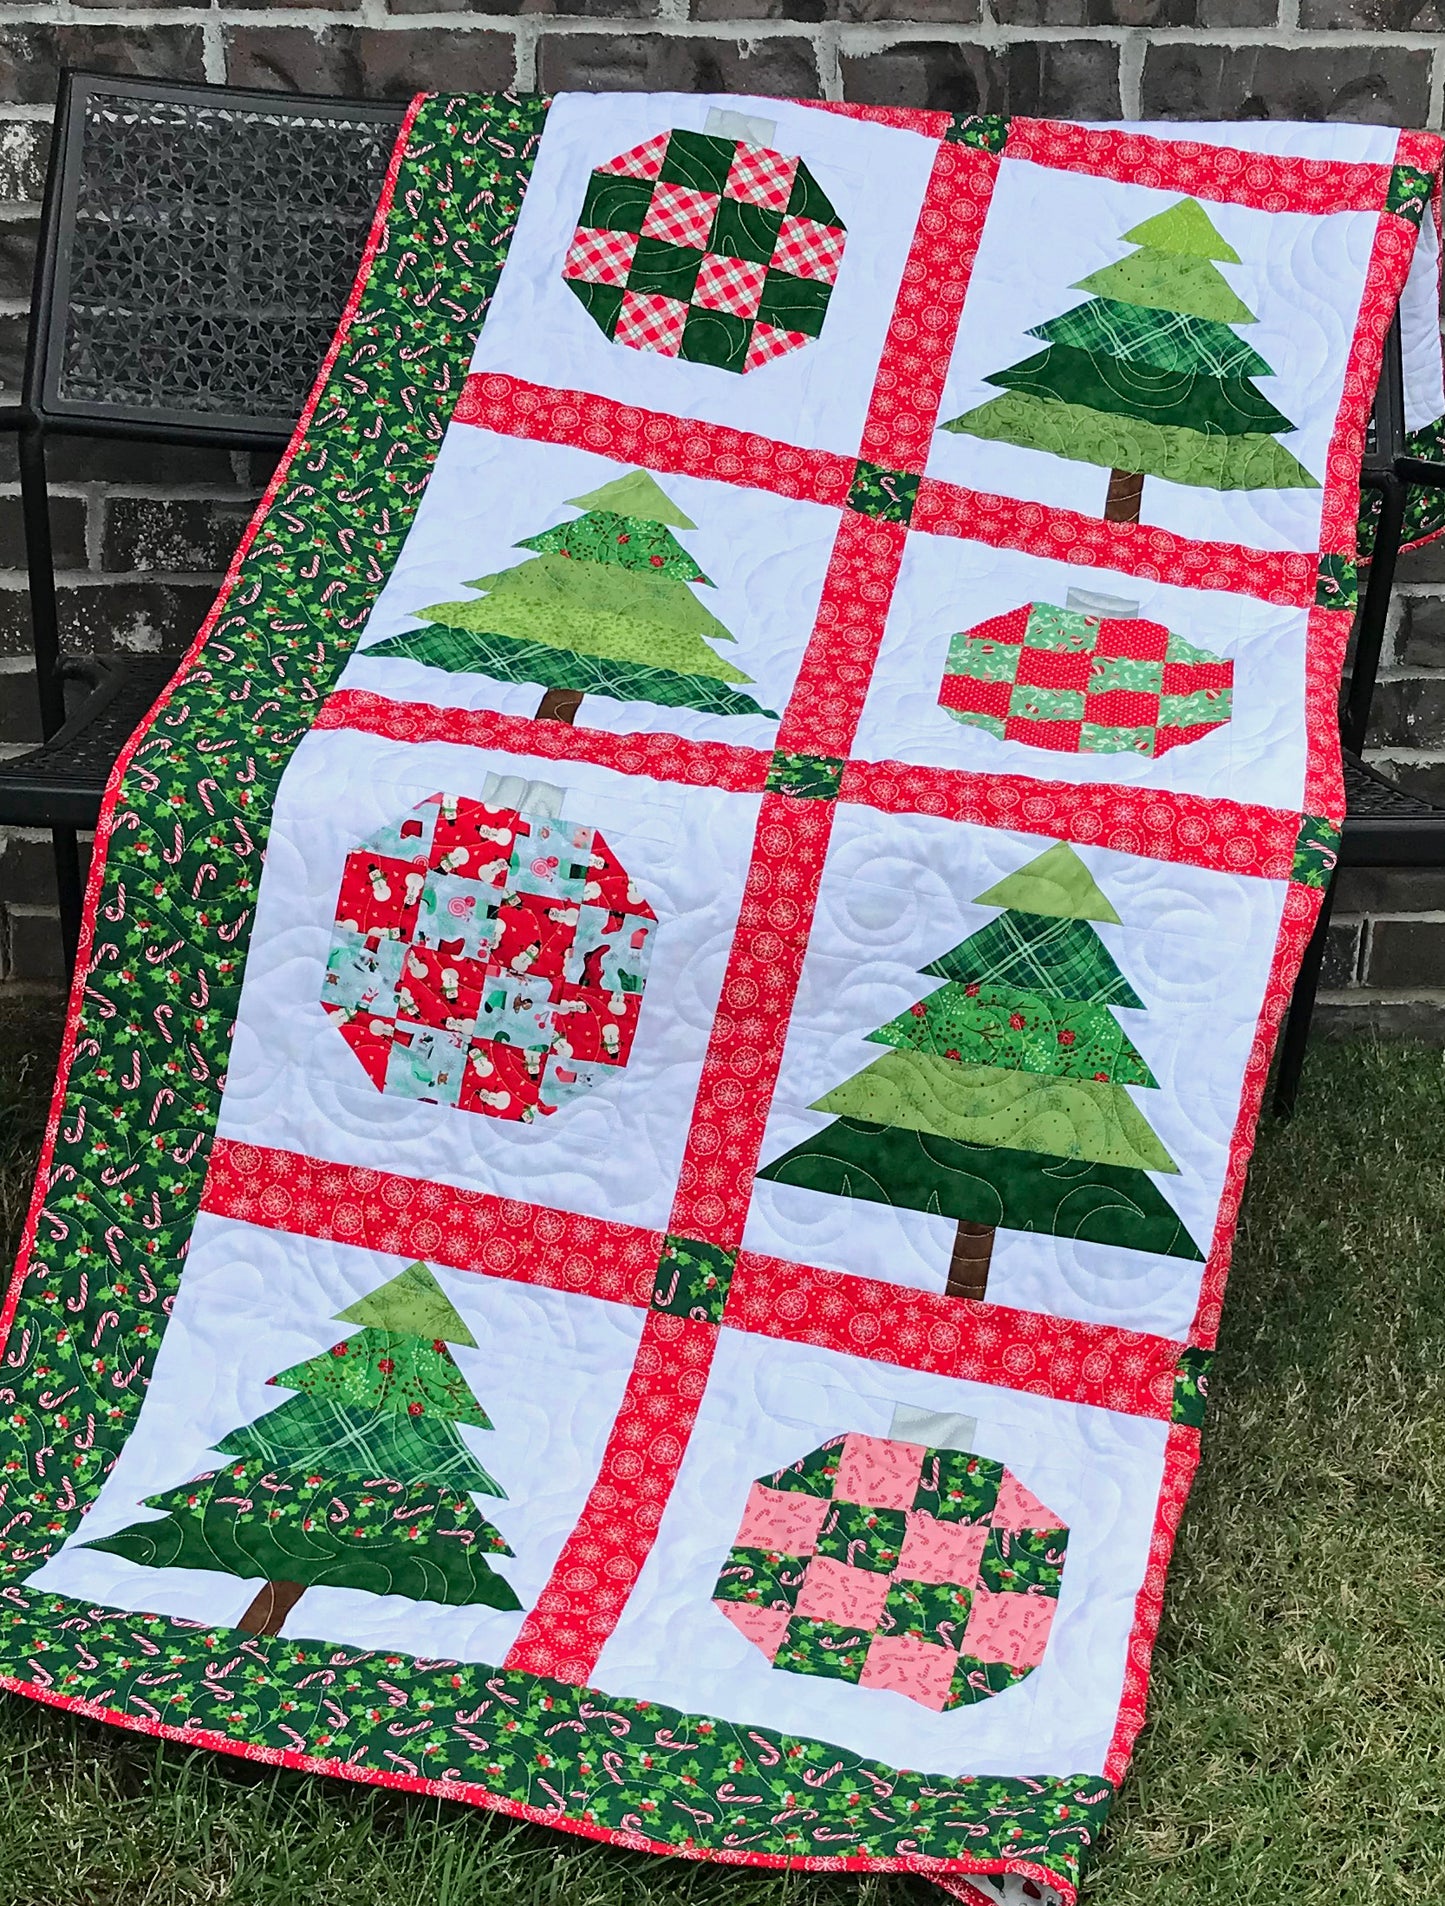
<point x="181" y="865"/>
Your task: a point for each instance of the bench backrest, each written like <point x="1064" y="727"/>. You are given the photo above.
<point x="197" y="249"/>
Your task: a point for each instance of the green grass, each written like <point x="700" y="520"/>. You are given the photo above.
<point x="1297" y="1738"/>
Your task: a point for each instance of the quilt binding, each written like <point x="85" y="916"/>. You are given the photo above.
<point x="1055" y="1862"/>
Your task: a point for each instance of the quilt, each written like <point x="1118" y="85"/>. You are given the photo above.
<point x="675" y="997"/>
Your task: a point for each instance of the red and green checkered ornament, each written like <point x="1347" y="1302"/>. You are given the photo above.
<point x="707" y="249"/>
<point x="1085" y="684"/>
<point x="488" y="957"/>
<point x="361" y="1480"/>
<point x="931" y="1573"/>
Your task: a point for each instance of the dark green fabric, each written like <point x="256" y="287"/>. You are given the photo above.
<point x="1018" y="1190"/>
<point x="360" y="1443"/>
<point x="624" y="542"/>
<point x="508" y="659"/>
<point x="388" y="1369"/>
<point x="1190" y="400"/>
<point x="1169" y="340"/>
<point x="385" y="1539"/>
<point x="1062" y="959"/>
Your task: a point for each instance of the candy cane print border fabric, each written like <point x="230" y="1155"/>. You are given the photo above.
<point x="723" y="1171"/>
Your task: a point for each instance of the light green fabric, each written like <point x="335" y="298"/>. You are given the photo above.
<point x="1056" y="883"/>
<point x="1184" y="230"/>
<point x="634" y="495"/>
<point x="1127" y="443"/>
<point x="985" y="1105"/>
<point x="593" y="610"/>
<point x="1163" y="282"/>
<point x="413" y="1304"/>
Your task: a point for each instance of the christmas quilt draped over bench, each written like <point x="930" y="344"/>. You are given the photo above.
<point x="674" y="1000"/>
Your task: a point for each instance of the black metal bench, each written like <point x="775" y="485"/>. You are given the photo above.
<point x="1384" y="825"/>
<point x="197" y="247"/>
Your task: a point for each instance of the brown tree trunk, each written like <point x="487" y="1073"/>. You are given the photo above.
<point x="561" y="704"/>
<point x="1126" y="492"/>
<point x="968" y="1266"/>
<point x="272" y="1605"/>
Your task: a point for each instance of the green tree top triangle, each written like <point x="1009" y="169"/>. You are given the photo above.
<point x="413" y="1304"/>
<point x="1184" y="229"/>
<point x="634" y="495"/>
<point x="1057" y="883"/>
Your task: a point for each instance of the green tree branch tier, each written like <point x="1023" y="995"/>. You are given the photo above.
<point x="1003" y="1099"/>
<point x="1147" y="378"/>
<point x="359" y="1481"/>
<point x="603" y="606"/>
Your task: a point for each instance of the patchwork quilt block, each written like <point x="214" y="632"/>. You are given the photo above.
<point x="706" y="248"/>
<point x="487" y="958"/>
<point x="1085" y="684"/>
<point x="676" y="994"/>
<point x="931" y="1572"/>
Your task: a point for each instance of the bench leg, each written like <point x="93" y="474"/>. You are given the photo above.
<point x="1296" y="1034"/>
<point x="71" y="893"/>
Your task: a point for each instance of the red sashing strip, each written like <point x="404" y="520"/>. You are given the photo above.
<point x="1301" y="910"/>
<point x="665" y="757"/>
<point x="745" y="1048"/>
<point x="908" y="387"/>
<point x="1419" y="149"/>
<point x="823" y="711"/>
<point x="1233" y="836"/>
<point x="601" y="1559"/>
<point x="1181" y="1459"/>
<point x="1325" y="639"/>
<point x="901" y="118"/>
<point x="474" y="1231"/>
<point x="105" y="825"/>
<point x="1390" y="255"/>
<point x="1265" y="181"/>
<point x="417" y="1217"/>
<point x="1134" y="549"/>
<point x="651" y="438"/>
<point x="925" y="1330"/>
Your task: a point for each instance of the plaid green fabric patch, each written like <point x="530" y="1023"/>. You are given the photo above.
<point x="707" y="249"/>
<point x="1063" y="958"/>
<point x="359" y="1443"/>
<point x="1165" y="340"/>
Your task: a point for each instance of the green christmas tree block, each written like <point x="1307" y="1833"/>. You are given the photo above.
<point x="1148" y="378"/>
<point x="603" y="606"/>
<point x="358" y="1481"/>
<point x="1003" y="1099"/>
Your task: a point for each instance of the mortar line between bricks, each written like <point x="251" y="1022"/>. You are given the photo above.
<point x="524" y="54"/>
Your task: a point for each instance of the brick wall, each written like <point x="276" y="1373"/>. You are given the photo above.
<point x="142" y="533"/>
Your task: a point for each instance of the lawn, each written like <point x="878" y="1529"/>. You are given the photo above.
<point x="1297" y="1737"/>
